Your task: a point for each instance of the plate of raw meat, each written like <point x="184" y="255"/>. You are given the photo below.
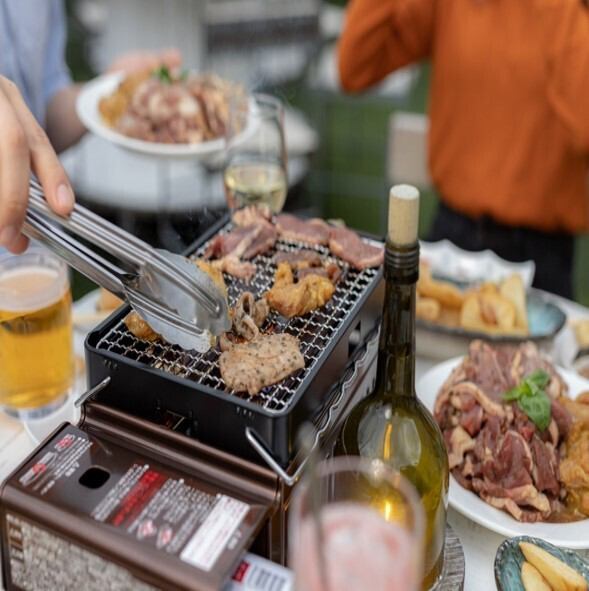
<point x="166" y="114"/>
<point x="517" y="433"/>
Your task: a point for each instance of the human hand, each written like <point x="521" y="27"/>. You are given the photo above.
<point x="138" y="61"/>
<point x="24" y="147"/>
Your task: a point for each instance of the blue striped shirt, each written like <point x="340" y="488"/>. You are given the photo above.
<point x="32" y="50"/>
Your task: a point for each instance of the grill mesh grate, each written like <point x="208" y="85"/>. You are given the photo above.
<point x="314" y="330"/>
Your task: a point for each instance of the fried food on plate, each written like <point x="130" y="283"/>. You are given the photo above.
<point x="532" y="579"/>
<point x="446" y="293"/>
<point x="513" y="289"/>
<point x="268" y="359"/>
<point x="560" y="576"/>
<point x="428" y="308"/>
<point x="296" y="299"/>
<point x="494" y="308"/>
<point x="574" y="467"/>
<point x="581" y="328"/>
<point x="488" y="312"/>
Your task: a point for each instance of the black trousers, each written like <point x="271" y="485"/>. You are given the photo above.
<point x="553" y="253"/>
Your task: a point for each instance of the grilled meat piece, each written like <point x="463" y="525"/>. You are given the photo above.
<point x="249" y="315"/>
<point x="299" y="259"/>
<point x="235" y="267"/>
<point x="251" y="214"/>
<point x="347" y="245"/>
<point x="268" y="359"/>
<point x="296" y="299"/>
<point x="241" y="244"/>
<point x="215" y="274"/>
<point x="314" y="231"/>
<point x="331" y="271"/>
<point x="244" y="242"/>
<point x="139" y="328"/>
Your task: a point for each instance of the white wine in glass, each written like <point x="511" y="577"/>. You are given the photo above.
<point x="255" y="183"/>
<point x="255" y="168"/>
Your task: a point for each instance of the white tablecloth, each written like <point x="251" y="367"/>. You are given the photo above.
<point x="479" y="543"/>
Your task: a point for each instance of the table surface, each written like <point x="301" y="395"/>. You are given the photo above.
<point x="479" y="543"/>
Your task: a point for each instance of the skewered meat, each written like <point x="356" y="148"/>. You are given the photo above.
<point x="347" y="245"/>
<point x="251" y="214"/>
<point x="139" y="328"/>
<point x="313" y="231"/>
<point x="268" y="359"/>
<point x="296" y="299"/>
<point x="494" y="449"/>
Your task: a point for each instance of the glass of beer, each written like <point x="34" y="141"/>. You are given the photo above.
<point x="356" y="524"/>
<point x="36" y="349"/>
<point x="255" y="162"/>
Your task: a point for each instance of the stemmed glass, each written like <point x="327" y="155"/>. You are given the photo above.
<point x="357" y="524"/>
<point x="255" y="163"/>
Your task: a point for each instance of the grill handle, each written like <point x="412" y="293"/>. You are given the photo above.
<point x="346" y="386"/>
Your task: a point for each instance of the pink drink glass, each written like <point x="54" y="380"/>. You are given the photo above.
<point x="371" y="529"/>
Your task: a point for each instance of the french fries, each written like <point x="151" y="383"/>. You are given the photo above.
<point x="532" y="579"/>
<point x="581" y="328"/>
<point x="490" y="307"/>
<point x="513" y="289"/>
<point x="559" y="575"/>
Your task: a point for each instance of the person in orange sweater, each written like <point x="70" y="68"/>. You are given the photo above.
<point x="509" y="116"/>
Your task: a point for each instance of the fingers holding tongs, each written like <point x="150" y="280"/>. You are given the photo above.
<point x="172" y="294"/>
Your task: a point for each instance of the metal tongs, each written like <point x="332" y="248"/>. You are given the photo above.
<point x="178" y="300"/>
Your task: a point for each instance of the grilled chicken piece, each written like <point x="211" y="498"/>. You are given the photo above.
<point x="139" y="328"/>
<point x="296" y="299"/>
<point x="268" y="359"/>
<point x="299" y="259"/>
<point x="215" y="274"/>
<point x="252" y="214"/>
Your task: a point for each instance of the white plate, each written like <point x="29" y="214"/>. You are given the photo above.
<point x="572" y="535"/>
<point x="87" y="109"/>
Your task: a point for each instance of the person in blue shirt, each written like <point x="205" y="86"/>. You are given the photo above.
<point x="37" y="108"/>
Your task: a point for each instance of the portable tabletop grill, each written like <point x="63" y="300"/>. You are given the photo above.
<point x="124" y="502"/>
<point x="148" y="379"/>
<point x="167" y="463"/>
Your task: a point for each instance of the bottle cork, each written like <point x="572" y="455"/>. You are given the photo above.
<point x="403" y="215"/>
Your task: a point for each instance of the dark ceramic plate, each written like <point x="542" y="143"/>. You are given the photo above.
<point x="545" y="319"/>
<point x="509" y="560"/>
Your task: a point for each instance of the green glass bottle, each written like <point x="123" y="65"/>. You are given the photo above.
<point x="391" y="424"/>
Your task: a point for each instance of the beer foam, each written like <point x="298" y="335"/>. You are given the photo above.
<point x="31" y="287"/>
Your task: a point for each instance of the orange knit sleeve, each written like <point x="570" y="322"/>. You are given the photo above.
<point x="380" y="36"/>
<point x="567" y="44"/>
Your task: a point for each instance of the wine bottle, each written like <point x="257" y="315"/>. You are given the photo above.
<point x="391" y="424"/>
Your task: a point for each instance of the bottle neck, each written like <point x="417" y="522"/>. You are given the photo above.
<point x="396" y="355"/>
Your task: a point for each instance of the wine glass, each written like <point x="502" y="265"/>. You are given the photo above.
<point x="255" y="163"/>
<point x="357" y="524"/>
